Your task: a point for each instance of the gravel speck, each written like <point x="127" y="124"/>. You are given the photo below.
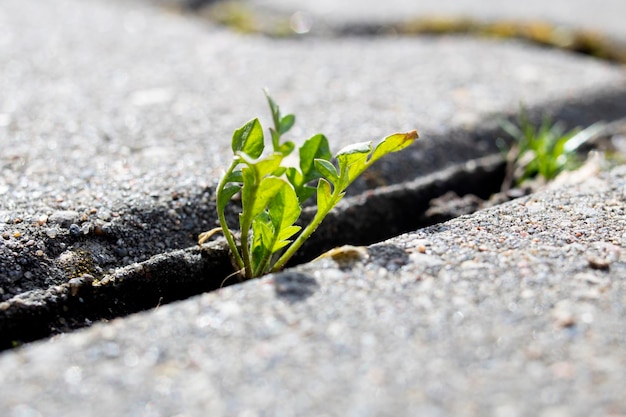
<point x="75" y="230"/>
<point x="64" y="218"/>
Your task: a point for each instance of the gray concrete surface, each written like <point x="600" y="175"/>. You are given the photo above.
<point x="517" y="310"/>
<point x="116" y="117"/>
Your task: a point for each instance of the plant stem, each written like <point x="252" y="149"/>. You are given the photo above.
<point x="245" y="224"/>
<point x="222" y="219"/>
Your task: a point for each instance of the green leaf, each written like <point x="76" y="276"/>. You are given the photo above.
<point x="295" y="179"/>
<point x="235" y="176"/>
<point x="286" y="123"/>
<point x="284" y="209"/>
<point x="286" y="147"/>
<point x="294" y="176"/>
<point x="279" y="171"/>
<point x="264" y="166"/>
<point x="261" y="240"/>
<point x="353" y="161"/>
<point x="274" y="109"/>
<point x="267" y="190"/>
<point x="324" y="196"/>
<point x="248" y="191"/>
<point x="287" y="232"/>
<point x="511" y="129"/>
<point x="248" y="139"/>
<point x="355" y="148"/>
<point x="283" y="238"/>
<point x="268" y="165"/>
<point x="280" y="244"/>
<point x="581" y="137"/>
<point x="312" y="149"/>
<point x="393" y="143"/>
<point x="305" y="192"/>
<point x="327" y="170"/>
<point x="262" y="230"/>
<point x="224" y="196"/>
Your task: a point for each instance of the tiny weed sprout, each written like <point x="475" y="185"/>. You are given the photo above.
<point x="272" y="194"/>
<point x="543" y="151"/>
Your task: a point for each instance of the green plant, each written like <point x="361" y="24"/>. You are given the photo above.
<point x="272" y="194"/>
<point x="545" y="150"/>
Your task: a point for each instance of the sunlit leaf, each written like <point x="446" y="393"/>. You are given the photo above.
<point x="393" y="143"/>
<point x="268" y="165"/>
<point x="293" y="176"/>
<point x="327" y="170"/>
<point x="284" y="208"/>
<point x="249" y="139"/>
<point x="267" y="189"/>
<point x="264" y="166"/>
<point x="287" y="232"/>
<point x="262" y="230"/>
<point x="314" y="148"/>
<point x="324" y="195"/>
<point x="353" y="159"/>
<point x="272" y="194"/>
<point x="248" y="196"/>
<point x="283" y="239"/>
<point x="279" y="171"/>
<point x="286" y="148"/>
<point x="259" y="248"/>
<point x="355" y="148"/>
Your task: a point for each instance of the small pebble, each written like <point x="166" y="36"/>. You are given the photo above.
<point x="596" y="262"/>
<point x="77" y="283"/>
<point x="64" y="218"/>
<point x="346" y="255"/>
<point x="75" y="230"/>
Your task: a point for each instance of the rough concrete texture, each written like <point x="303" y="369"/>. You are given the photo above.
<point x="516" y="310"/>
<point x="116" y="119"/>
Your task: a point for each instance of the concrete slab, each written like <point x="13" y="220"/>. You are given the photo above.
<point x="115" y="121"/>
<point x="516" y="310"/>
<point x="116" y="118"/>
<point x="582" y="25"/>
<point x="601" y="18"/>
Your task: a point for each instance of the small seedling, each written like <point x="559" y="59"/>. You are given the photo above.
<point x="543" y="151"/>
<point x="272" y="194"/>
